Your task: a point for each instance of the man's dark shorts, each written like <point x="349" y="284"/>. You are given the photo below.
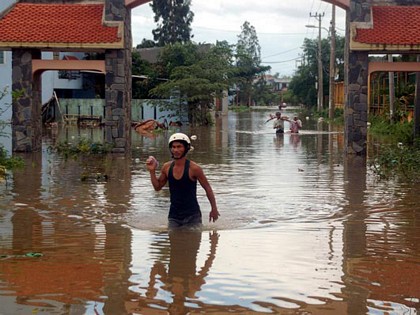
<point x="193" y="221"/>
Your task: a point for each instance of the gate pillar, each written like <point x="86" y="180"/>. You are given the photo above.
<point x="118" y="82"/>
<point x="357" y="72"/>
<point x="356" y="115"/>
<point x="26" y="117"/>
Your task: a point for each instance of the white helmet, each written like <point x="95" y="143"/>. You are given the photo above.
<point x="184" y="139"/>
<point x="180" y="137"/>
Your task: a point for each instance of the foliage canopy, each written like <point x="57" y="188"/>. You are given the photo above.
<point x="173" y="18"/>
<point x="303" y="84"/>
<point x="197" y="75"/>
<point x="248" y="63"/>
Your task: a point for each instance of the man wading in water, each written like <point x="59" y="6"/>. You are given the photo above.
<point x="182" y="175"/>
<point x="279" y="123"/>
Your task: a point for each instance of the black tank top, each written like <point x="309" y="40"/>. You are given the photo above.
<point x="183" y="194"/>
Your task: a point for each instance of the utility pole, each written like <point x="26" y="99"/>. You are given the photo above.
<point x="331" y="100"/>
<point x="391" y="92"/>
<point x="319" y="17"/>
<point x="417" y="104"/>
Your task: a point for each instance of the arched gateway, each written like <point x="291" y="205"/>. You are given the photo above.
<point x="375" y="27"/>
<point x="105" y="26"/>
<point x="102" y="26"/>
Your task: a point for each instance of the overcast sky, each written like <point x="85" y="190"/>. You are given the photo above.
<point x="280" y="25"/>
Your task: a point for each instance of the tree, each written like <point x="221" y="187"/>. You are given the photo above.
<point x="173" y="18"/>
<point x="339" y="56"/>
<point x="146" y="43"/>
<point x="7" y="162"/>
<point x="197" y="77"/>
<point x="3" y="94"/>
<point x="248" y="62"/>
<point x="151" y="76"/>
<point x="178" y="54"/>
<point x="303" y="83"/>
<point x="303" y="86"/>
<point x="170" y="57"/>
<point x="263" y="93"/>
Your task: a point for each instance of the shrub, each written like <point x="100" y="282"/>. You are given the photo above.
<point x="83" y="147"/>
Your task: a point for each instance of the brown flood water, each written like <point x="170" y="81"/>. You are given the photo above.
<point x="303" y="230"/>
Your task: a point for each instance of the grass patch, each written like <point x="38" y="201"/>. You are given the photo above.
<point x="8" y="163"/>
<point x="399" y="157"/>
<point x="397" y="132"/>
<point x="92" y="156"/>
<point x="240" y="108"/>
<point x="82" y="148"/>
<point x="397" y="161"/>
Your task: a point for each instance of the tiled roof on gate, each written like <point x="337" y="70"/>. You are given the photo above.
<point x="392" y="25"/>
<point x="40" y="25"/>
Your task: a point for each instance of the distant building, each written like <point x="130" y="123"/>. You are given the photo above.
<point x="150" y="54"/>
<point x="278" y="84"/>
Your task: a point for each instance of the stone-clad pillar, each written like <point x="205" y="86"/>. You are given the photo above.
<point x="26" y="118"/>
<point x="118" y="82"/>
<point x="356" y="109"/>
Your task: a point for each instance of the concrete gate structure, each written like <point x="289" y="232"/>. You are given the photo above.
<point x="31" y="27"/>
<point x="373" y="26"/>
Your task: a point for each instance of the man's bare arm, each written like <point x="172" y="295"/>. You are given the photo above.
<point x="199" y="174"/>
<point x="157" y="182"/>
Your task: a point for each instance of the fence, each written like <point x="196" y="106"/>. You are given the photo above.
<point x="74" y="110"/>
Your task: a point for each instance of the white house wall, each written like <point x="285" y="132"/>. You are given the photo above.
<point x="6" y="82"/>
<point x="6" y="102"/>
<point x="51" y="81"/>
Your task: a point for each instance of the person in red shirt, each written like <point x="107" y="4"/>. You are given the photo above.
<point x="295" y="124"/>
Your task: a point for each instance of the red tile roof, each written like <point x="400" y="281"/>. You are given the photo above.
<point x="392" y="25"/>
<point x="44" y="24"/>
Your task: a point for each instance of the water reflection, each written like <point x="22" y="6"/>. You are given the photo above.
<point x="174" y="280"/>
<point x="85" y="254"/>
<point x="375" y="266"/>
<point x="303" y="230"/>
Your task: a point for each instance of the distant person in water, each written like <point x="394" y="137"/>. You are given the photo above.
<point x="182" y="175"/>
<point x="295" y="125"/>
<point x="271" y="117"/>
<point x="279" y="123"/>
<point x="282" y="106"/>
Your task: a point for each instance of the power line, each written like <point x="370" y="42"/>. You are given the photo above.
<point x="280" y="53"/>
<point x="284" y="61"/>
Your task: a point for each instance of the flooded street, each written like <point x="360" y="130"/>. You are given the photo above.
<point x="303" y="230"/>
